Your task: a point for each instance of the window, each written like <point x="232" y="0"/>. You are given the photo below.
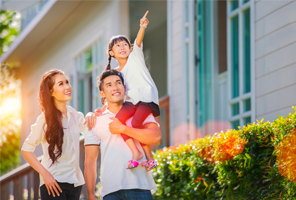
<point x="89" y="66"/>
<point x="186" y="40"/>
<point x="204" y="21"/>
<point x="240" y="62"/>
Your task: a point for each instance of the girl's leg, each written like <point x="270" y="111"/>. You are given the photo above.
<point x="126" y="112"/>
<point x="148" y="152"/>
<point x="137" y="155"/>
<point x="142" y="112"/>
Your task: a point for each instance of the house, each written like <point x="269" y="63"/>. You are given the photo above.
<point x="217" y="64"/>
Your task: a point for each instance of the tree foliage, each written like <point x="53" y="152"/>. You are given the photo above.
<point x="10" y="120"/>
<point x="9" y="29"/>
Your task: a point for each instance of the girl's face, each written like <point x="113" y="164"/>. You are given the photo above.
<point x="120" y="50"/>
<point x="61" y="90"/>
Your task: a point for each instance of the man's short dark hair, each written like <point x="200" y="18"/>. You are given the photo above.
<point x="107" y="73"/>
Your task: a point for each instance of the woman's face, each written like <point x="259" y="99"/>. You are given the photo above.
<point x="61" y="90"/>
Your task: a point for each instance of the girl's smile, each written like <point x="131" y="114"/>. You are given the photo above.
<point x="120" y="50"/>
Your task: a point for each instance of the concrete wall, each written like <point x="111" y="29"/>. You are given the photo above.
<point x="89" y="21"/>
<point x="275" y="60"/>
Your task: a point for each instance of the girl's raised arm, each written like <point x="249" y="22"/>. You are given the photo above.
<point x="143" y="25"/>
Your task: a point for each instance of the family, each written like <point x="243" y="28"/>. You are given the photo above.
<point x="121" y="130"/>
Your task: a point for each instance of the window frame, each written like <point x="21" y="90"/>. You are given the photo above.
<point x="250" y="95"/>
<point x="81" y="73"/>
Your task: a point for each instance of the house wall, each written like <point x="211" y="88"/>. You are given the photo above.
<point x="87" y="22"/>
<point x="275" y="61"/>
<point x="176" y="67"/>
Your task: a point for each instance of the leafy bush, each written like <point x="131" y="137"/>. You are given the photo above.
<point x="237" y="164"/>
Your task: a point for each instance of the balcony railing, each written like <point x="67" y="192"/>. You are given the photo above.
<point x="30" y="13"/>
<point x="23" y="182"/>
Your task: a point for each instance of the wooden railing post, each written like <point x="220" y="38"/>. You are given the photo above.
<point x="164" y="104"/>
<point x="18" y="187"/>
<point x="29" y="180"/>
<point x="36" y="183"/>
<point x="4" y="190"/>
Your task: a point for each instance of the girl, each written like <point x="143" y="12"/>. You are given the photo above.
<point x="57" y="129"/>
<point x="140" y="88"/>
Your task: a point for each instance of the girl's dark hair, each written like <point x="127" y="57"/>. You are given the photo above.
<point x="104" y="75"/>
<point x="114" y="40"/>
<point x="53" y="117"/>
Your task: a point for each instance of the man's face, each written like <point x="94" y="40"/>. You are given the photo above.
<point x="113" y="89"/>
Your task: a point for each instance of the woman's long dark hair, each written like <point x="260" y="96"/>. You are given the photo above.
<point x="114" y="40"/>
<point x="53" y="117"/>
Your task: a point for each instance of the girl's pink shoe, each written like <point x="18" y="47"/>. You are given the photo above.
<point x="151" y="165"/>
<point x="132" y="164"/>
<point x="144" y="163"/>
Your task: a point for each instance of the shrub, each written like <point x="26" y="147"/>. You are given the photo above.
<point x="255" y="162"/>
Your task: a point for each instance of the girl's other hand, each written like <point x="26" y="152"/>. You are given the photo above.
<point x="90" y="120"/>
<point x="144" y="21"/>
<point x="51" y="185"/>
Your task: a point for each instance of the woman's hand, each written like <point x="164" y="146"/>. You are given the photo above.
<point x="144" y="21"/>
<point x="116" y="127"/>
<point x="51" y="184"/>
<point x="90" y="120"/>
<point x="99" y="111"/>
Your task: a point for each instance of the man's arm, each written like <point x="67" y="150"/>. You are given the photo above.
<point x="90" y="172"/>
<point x="150" y="133"/>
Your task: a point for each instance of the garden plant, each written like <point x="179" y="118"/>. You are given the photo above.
<point x="257" y="161"/>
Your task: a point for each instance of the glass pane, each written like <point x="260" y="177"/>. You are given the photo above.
<point x="247" y="105"/>
<point x="245" y="1"/>
<point x="81" y="96"/>
<point x="234" y="57"/>
<point x="187" y="76"/>
<point x="186" y="11"/>
<point x="234" y="4"/>
<point x="247" y="51"/>
<point x="235" y="109"/>
<point x="186" y="32"/>
<point x="81" y="59"/>
<point x="247" y="120"/>
<point x="88" y="59"/>
<point x="205" y="65"/>
<point x="235" y="124"/>
<point x="101" y="52"/>
<point x="95" y="54"/>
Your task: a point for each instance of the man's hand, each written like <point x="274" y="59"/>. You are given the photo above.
<point x="116" y="127"/>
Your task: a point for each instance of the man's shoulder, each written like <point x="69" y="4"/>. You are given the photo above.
<point x="103" y="119"/>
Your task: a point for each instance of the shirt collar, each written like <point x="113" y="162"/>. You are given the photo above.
<point x="69" y="112"/>
<point x="108" y="112"/>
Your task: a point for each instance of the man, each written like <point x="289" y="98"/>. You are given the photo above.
<point x="117" y="181"/>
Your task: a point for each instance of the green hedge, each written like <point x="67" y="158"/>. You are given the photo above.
<point x="185" y="173"/>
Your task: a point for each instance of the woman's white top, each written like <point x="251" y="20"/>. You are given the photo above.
<point x="66" y="168"/>
<point x="137" y="79"/>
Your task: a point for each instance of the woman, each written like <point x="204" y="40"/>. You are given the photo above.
<point x="57" y="129"/>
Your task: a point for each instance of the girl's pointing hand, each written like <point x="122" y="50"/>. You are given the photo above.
<point x="144" y="21"/>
